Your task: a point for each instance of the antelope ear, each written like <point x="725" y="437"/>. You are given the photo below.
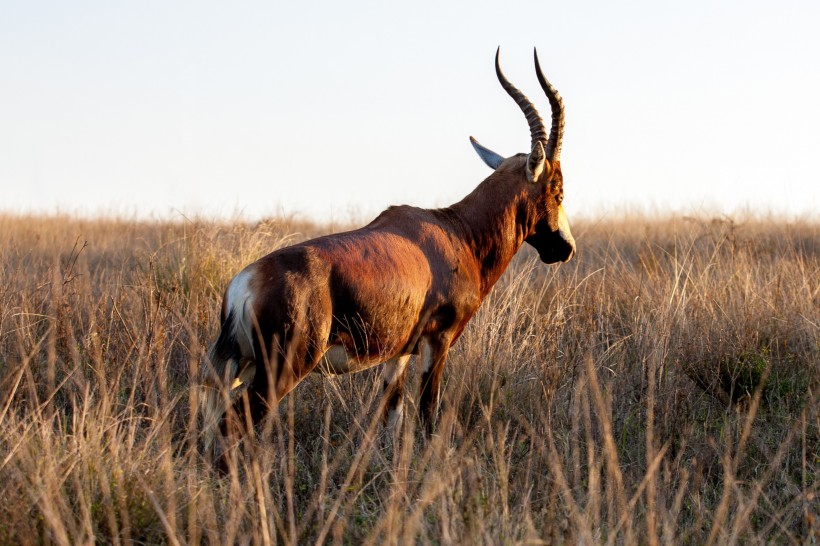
<point x="492" y="159"/>
<point x="537" y="163"/>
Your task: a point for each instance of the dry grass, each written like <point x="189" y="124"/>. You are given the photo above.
<point x="661" y="387"/>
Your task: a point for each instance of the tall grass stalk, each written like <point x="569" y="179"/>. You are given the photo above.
<point x="662" y="387"/>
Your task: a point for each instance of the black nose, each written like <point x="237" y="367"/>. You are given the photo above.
<point x="558" y="252"/>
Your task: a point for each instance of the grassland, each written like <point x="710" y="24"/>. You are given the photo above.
<point x="662" y="387"/>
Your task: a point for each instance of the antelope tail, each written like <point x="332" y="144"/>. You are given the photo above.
<point x="228" y="366"/>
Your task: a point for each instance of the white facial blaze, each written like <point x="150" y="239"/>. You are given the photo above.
<point x="563" y="228"/>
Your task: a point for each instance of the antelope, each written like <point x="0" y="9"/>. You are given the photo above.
<point x="405" y="284"/>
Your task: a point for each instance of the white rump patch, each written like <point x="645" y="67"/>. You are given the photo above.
<point x="237" y="299"/>
<point x="238" y="291"/>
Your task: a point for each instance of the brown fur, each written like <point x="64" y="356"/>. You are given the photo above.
<point x="406" y="283"/>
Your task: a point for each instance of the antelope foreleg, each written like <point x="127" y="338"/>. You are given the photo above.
<point x="433" y="356"/>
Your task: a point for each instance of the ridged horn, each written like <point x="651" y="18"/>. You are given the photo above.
<point x="538" y="132"/>
<point x="553" y="146"/>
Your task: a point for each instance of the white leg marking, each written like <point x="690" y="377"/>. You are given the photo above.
<point x="392" y="373"/>
<point x="426" y="353"/>
<point x="394" y="368"/>
<point x="395" y="416"/>
<point x="245" y="376"/>
<point x="210" y="410"/>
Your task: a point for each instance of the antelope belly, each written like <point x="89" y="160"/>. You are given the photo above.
<point x="337" y="360"/>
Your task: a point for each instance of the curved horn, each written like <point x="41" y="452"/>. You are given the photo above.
<point x="538" y="132"/>
<point x="553" y="147"/>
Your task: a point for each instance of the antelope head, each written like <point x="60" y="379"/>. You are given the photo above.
<point x="549" y="230"/>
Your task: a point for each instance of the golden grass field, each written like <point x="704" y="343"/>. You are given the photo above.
<point x="662" y="387"/>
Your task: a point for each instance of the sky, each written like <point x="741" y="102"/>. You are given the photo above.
<point x="335" y="110"/>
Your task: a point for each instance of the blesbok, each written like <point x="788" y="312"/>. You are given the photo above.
<point x="405" y="284"/>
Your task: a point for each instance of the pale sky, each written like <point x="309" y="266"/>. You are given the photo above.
<point x="339" y="109"/>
